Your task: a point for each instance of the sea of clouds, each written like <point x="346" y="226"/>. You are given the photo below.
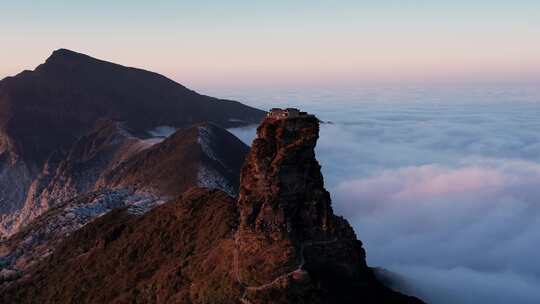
<point x="442" y="184"/>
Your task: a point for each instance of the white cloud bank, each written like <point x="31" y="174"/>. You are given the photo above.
<point x="445" y="194"/>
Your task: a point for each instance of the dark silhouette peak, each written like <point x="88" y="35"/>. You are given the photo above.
<point x="64" y="60"/>
<point x="38" y="107"/>
<point x="65" y="52"/>
<point x="65" y="55"/>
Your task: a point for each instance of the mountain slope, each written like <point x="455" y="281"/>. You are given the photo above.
<point x="75" y="171"/>
<point x="67" y="94"/>
<point x="278" y="243"/>
<point x="110" y="169"/>
<point x="203" y="155"/>
<point x="174" y="253"/>
<point x="50" y="108"/>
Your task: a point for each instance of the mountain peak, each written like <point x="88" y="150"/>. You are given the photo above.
<point x="65" y="52"/>
<point x="59" y="53"/>
<point x="66" y="56"/>
<point x="143" y="100"/>
<point x="282" y="172"/>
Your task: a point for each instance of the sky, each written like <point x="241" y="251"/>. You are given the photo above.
<point x="206" y="44"/>
<point x="439" y="183"/>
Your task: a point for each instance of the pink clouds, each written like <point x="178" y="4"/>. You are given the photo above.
<point x="426" y="182"/>
<point x="480" y="216"/>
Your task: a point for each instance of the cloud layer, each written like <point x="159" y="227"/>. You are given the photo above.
<point x="444" y="193"/>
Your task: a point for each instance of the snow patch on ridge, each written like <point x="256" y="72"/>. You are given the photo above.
<point x="108" y="200"/>
<point x="204" y="141"/>
<point x="40" y="238"/>
<point x="209" y="178"/>
<point x="140" y="204"/>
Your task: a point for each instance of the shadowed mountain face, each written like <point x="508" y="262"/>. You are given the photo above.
<point x="48" y="109"/>
<point x="59" y="101"/>
<point x="280" y="242"/>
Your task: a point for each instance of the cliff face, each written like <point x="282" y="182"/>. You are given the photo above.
<point x="290" y="245"/>
<point x="280" y="242"/>
<point x="282" y="191"/>
<point x="285" y="211"/>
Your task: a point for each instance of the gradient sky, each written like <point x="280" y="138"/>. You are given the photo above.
<point x="205" y="43"/>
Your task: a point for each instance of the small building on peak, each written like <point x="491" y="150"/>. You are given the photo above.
<point x="278" y="113"/>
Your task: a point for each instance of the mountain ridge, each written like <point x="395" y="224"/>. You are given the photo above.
<point x="278" y="242"/>
<point x="49" y="109"/>
<point x="110" y="169"/>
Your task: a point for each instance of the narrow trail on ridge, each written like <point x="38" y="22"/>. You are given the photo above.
<point x="279" y="278"/>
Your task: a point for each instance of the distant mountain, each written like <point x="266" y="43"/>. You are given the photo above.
<point x="45" y="111"/>
<point x="278" y="242"/>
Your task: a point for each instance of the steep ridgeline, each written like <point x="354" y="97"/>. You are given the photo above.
<point x="278" y="243"/>
<point x="47" y="110"/>
<point x="290" y="246"/>
<point x="108" y="169"/>
<point x="111" y="157"/>
<point x="204" y="155"/>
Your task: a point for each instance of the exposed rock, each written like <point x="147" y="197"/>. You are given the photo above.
<point x="8" y="275"/>
<point x="38" y="239"/>
<point x="204" y="155"/>
<point x="67" y="175"/>
<point x="110" y="169"/>
<point x="279" y="243"/>
<point x="15" y="179"/>
<point x="283" y="203"/>
<point x="289" y="242"/>
<point x="180" y="252"/>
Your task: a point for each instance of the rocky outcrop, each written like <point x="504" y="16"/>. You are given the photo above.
<point x="289" y="241"/>
<point x="280" y="242"/>
<point x="283" y="204"/>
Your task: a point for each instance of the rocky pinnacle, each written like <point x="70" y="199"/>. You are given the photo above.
<point x="284" y="207"/>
